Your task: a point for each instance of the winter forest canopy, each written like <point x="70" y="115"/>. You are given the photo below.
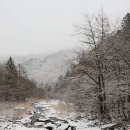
<point x="99" y="83"/>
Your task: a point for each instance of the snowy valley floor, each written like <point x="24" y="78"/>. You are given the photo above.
<point x="45" y="115"/>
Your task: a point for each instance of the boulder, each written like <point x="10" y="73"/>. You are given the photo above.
<point x="50" y="126"/>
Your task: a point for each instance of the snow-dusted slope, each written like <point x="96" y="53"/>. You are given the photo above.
<point x="47" y="69"/>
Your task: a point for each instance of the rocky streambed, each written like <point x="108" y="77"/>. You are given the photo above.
<point x="42" y="119"/>
<point x="45" y="116"/>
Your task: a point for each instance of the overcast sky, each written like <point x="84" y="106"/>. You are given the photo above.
<point x="38" y="26"/>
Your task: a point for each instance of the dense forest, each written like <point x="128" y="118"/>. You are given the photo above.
<point x="15" y="85"/>
<point x="99" y="83"/>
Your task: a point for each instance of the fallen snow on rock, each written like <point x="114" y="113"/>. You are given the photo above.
<point x="26" y="120"/>
<point x="25" y="128"/>
<point x="106" y="126"/>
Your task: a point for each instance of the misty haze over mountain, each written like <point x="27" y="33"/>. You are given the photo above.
<point x="47" y="68"/>
<point x="30" y="26"/>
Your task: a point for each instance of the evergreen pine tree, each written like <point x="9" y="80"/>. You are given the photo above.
<point x="126" y="24"/>
<point x="10" y="66"/>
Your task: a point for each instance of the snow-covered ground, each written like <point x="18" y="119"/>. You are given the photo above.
<point x="49" y="115"/>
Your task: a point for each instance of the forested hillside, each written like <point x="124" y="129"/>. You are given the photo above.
<point x="100" y="83"/>
<point x="45" y="69"/>
<point x="15" y="85"/>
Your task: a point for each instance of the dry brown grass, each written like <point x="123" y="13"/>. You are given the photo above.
<point x="8" y="109"/>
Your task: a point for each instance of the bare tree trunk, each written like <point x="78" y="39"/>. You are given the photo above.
<point x="102" y="93"/>
<point x="100" y="96"/>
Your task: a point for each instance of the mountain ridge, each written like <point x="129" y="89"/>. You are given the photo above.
<point x="46" y="69"/>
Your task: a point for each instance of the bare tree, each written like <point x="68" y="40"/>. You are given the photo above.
<point x="93" y="64"/>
